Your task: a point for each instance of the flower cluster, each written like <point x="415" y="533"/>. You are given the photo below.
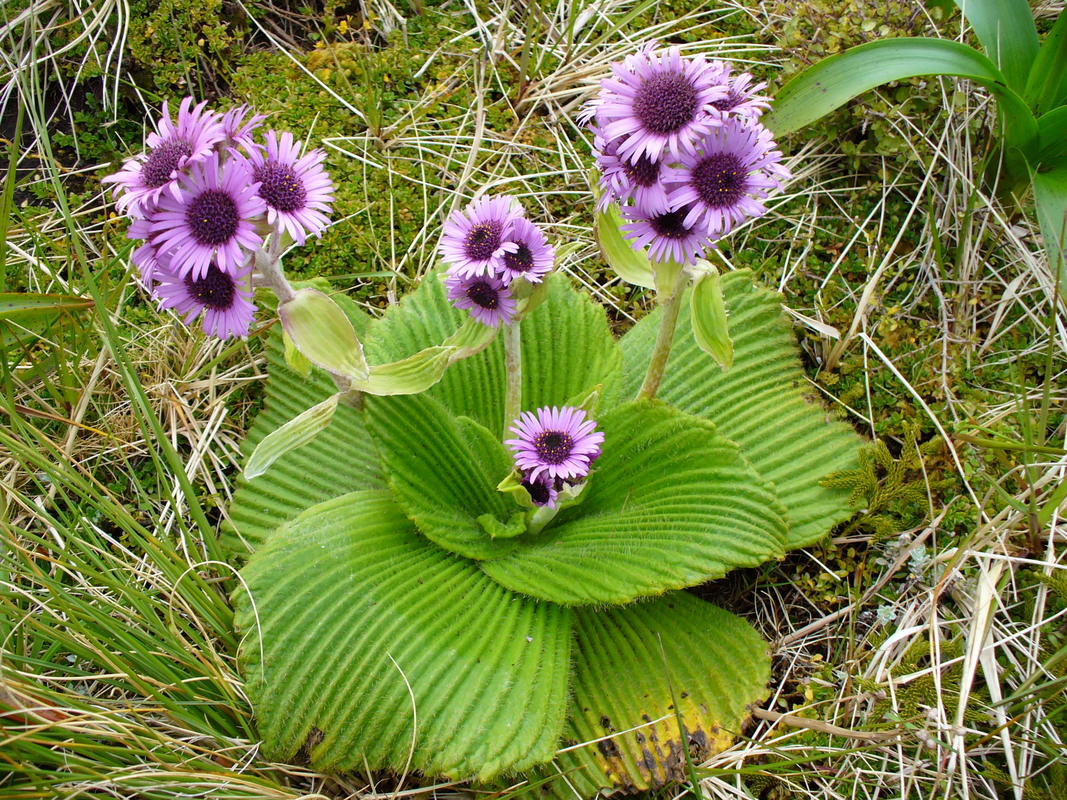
<point x="553" y="448"/>
<point x="487" y="246"/>
<point x="204" y="197"/>
<point x="681" y="149"/>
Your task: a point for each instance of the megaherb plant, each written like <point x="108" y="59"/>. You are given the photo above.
<point x="1028" y="78"/>
<point x="468" y="533"/>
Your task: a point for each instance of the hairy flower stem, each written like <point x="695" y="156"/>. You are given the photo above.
<point x="671" y="303"/>
<point x="513" y="372"/>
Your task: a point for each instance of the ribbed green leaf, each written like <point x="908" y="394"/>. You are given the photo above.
<point x="759" y="403"/>
<point x="439" y="471"/>
<point x="363" y="642"/>
<point x="631" y="665"/>
<point x="553" y="371"/>
<point x="340" y="460"/>
<point x="1007" y="33"/>
<point x="670" y="504"/>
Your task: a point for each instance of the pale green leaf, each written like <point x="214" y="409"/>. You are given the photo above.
<point x="708" y="310"/>
<point x="443" y="474"/>
<point x="670" y="504"/>
<point x="294" y="359"/>
<point x="629" y="264"/>
<point x="1006" y="30"/>
<point x="361" y="641"/>
<point x="323" y="334"/>
<point x="655" y="678"/>
<point x="295" y="433"/>
<point x="1050" y="200"/>
<point x="410" y="375"/>
<point x="472" y="337"/>
<point x="760" y="403"/>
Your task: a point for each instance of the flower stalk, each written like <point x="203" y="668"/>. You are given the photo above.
<point x="513" y="374"/>
<point x="670" y="297"/>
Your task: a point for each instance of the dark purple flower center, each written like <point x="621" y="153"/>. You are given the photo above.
<point x="719" y="179"/>
<point x="162" y="161"/>
<point x="213" y="217"/>
<point x="732" y="100"/>
<point x="643" y="172"/>
<point x="280" y="186"/>
<point x="539" y="493"/>
<point x="215" y="289"/>
<point x="482" y="240"/>
<point x="482" y="293"/>
<point x="665" y="103"/>
<point x="519" y="261"/>
<point x="553" y="447"/>
<point x="670" y="225"/>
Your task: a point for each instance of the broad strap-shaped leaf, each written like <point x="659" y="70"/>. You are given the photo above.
<point x="442" y="474"/>
<point x="23" y="306"/>
<point x="1050" y="200"/>
<point x="833" y="81"/>
<point x="759" y="403"/>
<point x="1045" y="85"/>
<point x="670" y="504"/>
<point x="632" y="665"/>
<point x="554" y="371"/>
<point x="363" y="642"/>
<point x="1007" y="33"/>
<point x="339" y="460"/>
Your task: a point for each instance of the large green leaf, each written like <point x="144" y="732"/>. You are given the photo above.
<point x="670" y="504"/>
<point x="656" y="678"/>
<point x="835" y="80"/>
<point x="364" y="645"/>
<point x="443" y="475"/>
<point x="1008" y="35"/>
<point x="1045" y="83"/>
<point x="759" y="403"/>
<point x="1050" y="199"/>
<point x="341" y="459"/>
<point x="554" y="371"/>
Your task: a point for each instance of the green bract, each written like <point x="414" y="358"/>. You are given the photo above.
<point x="399" y="613"/>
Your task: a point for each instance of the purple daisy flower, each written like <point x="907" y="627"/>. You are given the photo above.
<point x="533" y="258"/>
<point x="557" y="442"/>
<point x="659" y="104"/>
<point x="623" y="181"/>
<point x="742" y="99"/>
<point x="171" y="148"/>
<point x="486" y="297"/>
<point x="213" y="221"/>
<point x="542" y="489"/>
<point x="224" y="298"/>
<point x="238" y="129"/>
<point x="666" y="235"/>
<point x="475" y="239"/>
<point x="297" y="190"/>
<point x="721" y="185"/>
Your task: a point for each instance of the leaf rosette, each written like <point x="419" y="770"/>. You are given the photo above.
<point x="398" y="611"/>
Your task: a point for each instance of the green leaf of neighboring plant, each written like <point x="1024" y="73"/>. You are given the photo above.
<point x="311" y="474"/>
<point x="362" y="644"/>
<point x="1007" y="33"/>
<point x="669" y="505"/>
<point x="708" y="310"/>
<point x="835" y="80"/>
<point x="26" y="306"/>
<point x="438" y="473"/>
<point x="1045" y="83"/>
<point x="1052" y="137"/>
<point x="323" y="334"/>
<point x="410" y="375"/>
<point x="631" y="665"/>
<point x="1050" y="200"/>
<point x="759" y="403"/>
<point x="294" y="359"/>
<point x="295" y="433"/>
<point x="631" y="265"/>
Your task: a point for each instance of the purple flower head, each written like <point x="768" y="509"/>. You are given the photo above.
<point x="666" y="235"/>
<point x="238" y="129"/>
<point x="532" y="259"/>
<point x="722" y="183"/>
<point x="486" y="297"/>
<point x="213" y="220"/>
<point x="542" y="489"/>
<point x="742" y="99"/>
<point x="224" y="298"/>
<point x="623" y="181"/>
<point x="557" y="442"/>
<point x="297" y="190"/>
<point x="172" y="147"/>
<point x="657" y="104"/>
<point x="475" y="239"/>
